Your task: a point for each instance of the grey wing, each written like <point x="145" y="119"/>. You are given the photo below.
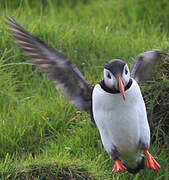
<point x="143" y="67"/>
<point x="59" y="68"/>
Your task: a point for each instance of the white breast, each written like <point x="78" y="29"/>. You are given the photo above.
<point x="119" y="121"/>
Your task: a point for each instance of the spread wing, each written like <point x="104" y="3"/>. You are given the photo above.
<point x="144" y="65"/>
<point x="58" y="68"/>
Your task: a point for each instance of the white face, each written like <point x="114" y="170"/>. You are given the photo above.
<point x="111" y="82"/>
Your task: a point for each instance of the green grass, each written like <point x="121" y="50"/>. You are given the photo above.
<point x="41" y="135"/>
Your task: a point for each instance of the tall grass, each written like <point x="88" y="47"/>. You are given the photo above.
<point x="41" y="135"/>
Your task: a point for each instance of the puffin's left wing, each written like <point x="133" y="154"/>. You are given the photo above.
<point x="143" y="67"/>
<point x="59" y="68"/>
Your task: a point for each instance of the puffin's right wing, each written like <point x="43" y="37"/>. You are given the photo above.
<point x="143" y="67"/>
<point x="59" y="68"/>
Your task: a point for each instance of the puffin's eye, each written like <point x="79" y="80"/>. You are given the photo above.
<point x="108" y="75"/>
<point x="126" y="71"/>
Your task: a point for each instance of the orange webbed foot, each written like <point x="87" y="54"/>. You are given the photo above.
<point x="118" y="166"/>
<point x="151" y="162"/>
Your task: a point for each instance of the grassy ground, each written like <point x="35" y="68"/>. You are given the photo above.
<point x="43" y="137"/>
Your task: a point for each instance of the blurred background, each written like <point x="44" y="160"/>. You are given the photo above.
<point x="44" y="137"/>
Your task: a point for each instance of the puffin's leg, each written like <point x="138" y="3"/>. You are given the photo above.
<point x="118" y="166"/>
<point x="151" y="162"/>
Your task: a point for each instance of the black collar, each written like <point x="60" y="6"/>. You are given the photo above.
<point x="114" y="91"/>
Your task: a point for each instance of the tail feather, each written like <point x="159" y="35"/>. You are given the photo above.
<point x="137" y="168"/>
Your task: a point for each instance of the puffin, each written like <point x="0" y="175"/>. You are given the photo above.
<point x="115" y="104"/>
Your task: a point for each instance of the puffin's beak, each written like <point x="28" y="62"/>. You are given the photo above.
<point x="121" y="87"/>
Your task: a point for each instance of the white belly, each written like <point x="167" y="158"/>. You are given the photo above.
<point x="118" y="121"/>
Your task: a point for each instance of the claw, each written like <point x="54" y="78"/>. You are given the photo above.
<point x="151" y="162"/>
<point x="118" y="166"/>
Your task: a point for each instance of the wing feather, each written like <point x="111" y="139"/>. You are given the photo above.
<point x="59" y="68"/>
<point x="144" y="65"/>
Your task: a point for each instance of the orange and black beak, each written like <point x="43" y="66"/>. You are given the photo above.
<point x="121" y="86"/>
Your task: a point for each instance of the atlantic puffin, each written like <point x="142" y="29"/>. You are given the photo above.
<point x="115" y="104"/>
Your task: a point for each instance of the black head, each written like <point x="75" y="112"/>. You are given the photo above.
<point x="116" y="75"/>
<point x="115" y="66"/>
